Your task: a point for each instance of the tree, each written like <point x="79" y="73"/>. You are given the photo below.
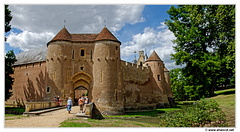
<point x="205" y="44"/>
<point x="8" y="18"/>
<point x="177" y="83"/>
<point x="10" y="59"/>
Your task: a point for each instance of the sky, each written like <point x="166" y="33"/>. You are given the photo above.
<point x="138" y="27"/>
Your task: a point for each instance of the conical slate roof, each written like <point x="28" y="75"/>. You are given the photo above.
<point x="154" y="57"/>
<point x="105" y="34"/>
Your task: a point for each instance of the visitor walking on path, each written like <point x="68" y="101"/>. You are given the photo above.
<point x="69" y="104"/>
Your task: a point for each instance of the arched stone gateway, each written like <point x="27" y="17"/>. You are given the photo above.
<point x="81" y="79"/>
<point x="81" y="84"/>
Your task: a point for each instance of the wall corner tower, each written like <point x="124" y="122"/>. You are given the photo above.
<point x="157" y="68"/>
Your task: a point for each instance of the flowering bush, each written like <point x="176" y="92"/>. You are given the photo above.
<point x="205" y="113"/>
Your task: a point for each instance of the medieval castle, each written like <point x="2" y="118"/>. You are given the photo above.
<point x="76" y="63"/>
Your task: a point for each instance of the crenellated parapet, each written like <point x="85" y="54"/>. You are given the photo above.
<point x="135" y="73"/>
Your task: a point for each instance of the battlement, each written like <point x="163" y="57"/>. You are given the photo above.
<point x="135" y="73"/>
<point x="129" y="64"/>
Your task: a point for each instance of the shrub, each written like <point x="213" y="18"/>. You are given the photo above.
<point x="204" y="113"/>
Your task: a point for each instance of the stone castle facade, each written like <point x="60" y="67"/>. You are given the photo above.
<point x="76" y="63"/>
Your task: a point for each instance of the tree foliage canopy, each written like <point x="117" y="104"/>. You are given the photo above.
<point x="10" y="59"/>
<point x="205" y="45"/>
<point x="8" y="18"/>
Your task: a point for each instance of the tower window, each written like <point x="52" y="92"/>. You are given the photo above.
<point x="81" y="68"/>
<point x="159" y="77"/>
<point x="72" y="54"/>
<point x="116" y="47"/>
<point x="48" y="89"/>
<point x="82" y="52"/>
<point x="91" y="54"/>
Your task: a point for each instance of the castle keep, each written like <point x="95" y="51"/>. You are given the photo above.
<point x="74" y="63"/>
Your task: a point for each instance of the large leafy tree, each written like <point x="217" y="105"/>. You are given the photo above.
<point x="9" y="58"/>
<point x="205" y="44"/>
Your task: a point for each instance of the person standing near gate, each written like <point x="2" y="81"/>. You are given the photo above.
<point x="85" y="103"/>
<point x="81" y="103"/>
<point x="69" y="104"/>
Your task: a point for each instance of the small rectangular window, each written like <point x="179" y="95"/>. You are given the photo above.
<point x="91" y="54"/>
<point x="72" y="54"/>
<point x="159" y="77"/>
<point x="48" y="89"/>
<point x="82" y="52"/>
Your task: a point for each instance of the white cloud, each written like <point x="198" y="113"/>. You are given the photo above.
<point x="37" y="21"/>
<point x="28" y="40"/>
<point x="159" y="39"/>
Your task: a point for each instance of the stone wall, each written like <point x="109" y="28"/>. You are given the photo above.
<point x="135" y="73"/>
<point x="141" y="92"/>
<point x="29" y="84"/>
<point x="30" y="106"/>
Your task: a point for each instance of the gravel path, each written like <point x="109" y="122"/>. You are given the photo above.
<point x="49" y="119"/>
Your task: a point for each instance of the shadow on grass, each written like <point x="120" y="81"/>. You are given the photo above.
<point x="224" y="92"/>
<point x="14" y="110"/>
<point x="146" y="113"/>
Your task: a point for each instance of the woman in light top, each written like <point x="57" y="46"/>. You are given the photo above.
<point x="69" y="104"/>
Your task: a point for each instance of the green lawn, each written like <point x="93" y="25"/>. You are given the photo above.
<point x="14" y="110"/>
<point x="226" y="101"/>
<point x="105" y="123"/>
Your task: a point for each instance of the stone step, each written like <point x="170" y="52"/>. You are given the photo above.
<point x="38" y="112"/>
<point x="82" y="115"/>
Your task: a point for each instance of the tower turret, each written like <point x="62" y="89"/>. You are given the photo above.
<point x="157" y="68"/>
<point x="141" y="58"/>
<point x="106" y="73"/>
<point x="54" y="62"/>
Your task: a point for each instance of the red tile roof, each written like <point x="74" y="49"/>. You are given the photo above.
<point x="64" y="35"/>
<point x="84" y="37"/>
<point x="154" y="57"/>
<point x="105" y="34"/>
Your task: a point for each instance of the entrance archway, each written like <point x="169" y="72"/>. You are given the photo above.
<point x="81" y="84"/>
<point x="78" y="92"/>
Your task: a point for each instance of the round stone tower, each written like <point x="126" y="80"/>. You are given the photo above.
<point x="157" y="68"/>
<point x="106" y="74"/>
<point x="54" y="62"/>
